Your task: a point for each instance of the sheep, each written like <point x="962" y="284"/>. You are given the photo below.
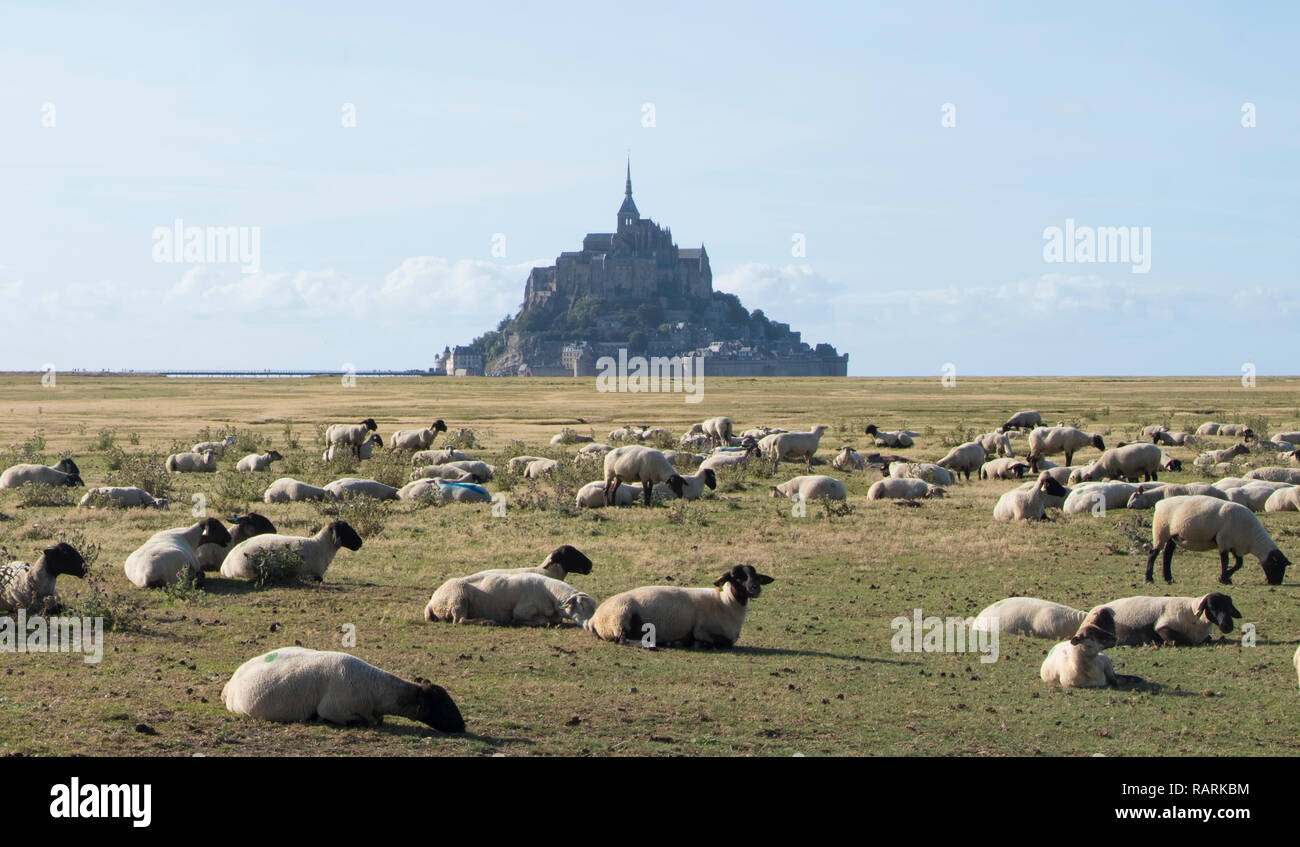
<point x="419" y="489"/>
<point x="1236" y="430"/>
<point x="1148" y="496"/>
<point x="996" y="444"/>
<point x="718" y="430"/>
<point x="1079" y="662"/>
<point x="256" y="462"/>
<point x="593" y="453"/>
<point x="1171" y="620"/>
<point x="792" y="445"/>
<point x="65" y="473"/>
<point x="561" y="562"/>
<point x="289" y="490"/>
<point x="353" y="487"/>
<point x="1106" y="495"/>
<point x="442" y="457"/>
<point x="697" y="441"/>
<point x="121" y="498"/>
<point x="570" y="437"/>
<point x="1128" y="462"/>
<point x="31" y="587"/>
<point x="680" y="457"/>
<point x="242" y="527"/>
<point x="927" y="471"/>
<point x="519" y="463"/>
<point x="192" y="462"/>
<point x="815" y="487"/>
<point x="1197" y="522"/>
<point x="593" y="495"/>
<point x="462" y="492"/>
<point x="730" y="459"/>
<point x="1288" y="437"/>
<point x="1169" y="463"/>
<point x="218" y="447"/>
<point x="1153" y="432"/>
<point x="1029" y="502"/>
<point x="1022" y="420"/>
<point x="1003" y="469"/>
<point x="540" y="467"/>
<point x="1208" y="428"/>
<point x="964" y="458"/>
<point x="624" y="434"/>
<point x="1028" y="616"/>
<point x="416" y="439"/>
<point x="693" y="486"/>
<point x="1062" y="474"/>
<point x="639" y="464"/>
<point x="1048" y="441"/>
<point x="353" y="435"/>
<point x="1230" y="482"/>
<point x="171" y="553"/>
<point x="667" y="615"/>
<point x="1283" y="500"/>
<point x="758" y="433"/>
<point x="1214" y="457"/>
<point x="1256" y="495"/>
<point x="1275" y="474"/>
<point x="478" y="471"/>
<point x="903" y="489"/>
<point x="298" y="684"/>
<point x="895" y="440"/>
<point x="446" y="472"/>
<point x="363" y="451"/>
<point x="523" y="599"/>
<point x="848" y="459"/>
<point x="317" y="551"/>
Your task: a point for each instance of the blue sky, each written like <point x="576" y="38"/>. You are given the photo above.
<point x="924" y="242"/>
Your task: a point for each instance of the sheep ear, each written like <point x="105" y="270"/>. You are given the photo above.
<point x="1200" y="607"/>
<point x="722" y="580"/>
<point x="764" y="579"/>
<point x="1074" y="639"/>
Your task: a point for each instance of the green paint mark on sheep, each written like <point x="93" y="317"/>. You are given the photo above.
<point x="270" y="657"/>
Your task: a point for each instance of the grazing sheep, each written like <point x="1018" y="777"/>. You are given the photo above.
<point x="927" y="471"/>
<point x="1128" y="462"/>
<point x="1029" y="502"/>
<point x="1022" y="420"/>
<point x="1148" y="496"/>
<point x="242" y="527"/>
<point x="1283" y="500"/>
<point x="893" y="440"/>
<point x="669" y="616"/>
<point x="170" y="553"/>
<point x="416" y="439"/>
<point x="996" y="444"/>
<point x="363" y="451"/>
<point x="317" y="551"/>
<point x="1214" y="457"/>
<point x="1275" y="474"/>
<point x="1171" y="620"/>
<point x="1028" y="616"/>
<point x="593" y="495"/>
<point x="718" y="430"/>
<point x="1079" y="662"/>
<point x="1197" y="522"/>
<point x="561" y="562"/>
<point x="891" y="488"/>
<point x="693" y="485"/>
<point x="639" y="464"/>
<point x="218" y="447"/>
<point x="351" y="434"/>
<point x="289" y="490"/>
<point x="964" y="458"/>
<point x="1049" y="441"/>
<point x="521" y="599"/>
<point x="31" y="587"/>
<point x="848" y="459"/>
<point x="297" y="684"/>
<point x="192" y="462"/>
<point x="64" y="473"/>
<point x="792" y="445"/>
<point x="1256" y="495"/>
<point x="1003" y="469"/>
<point x="123" y="498"/>
<point x="256" y="462"/>
<point x="815" y="487"/>
<point x="1169" y="463"/>
<point x="353" y="487"/>
<point x="540" y="468"/>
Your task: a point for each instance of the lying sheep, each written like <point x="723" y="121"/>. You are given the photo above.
<point x="1129" y="462"/>
<point x="65" y="473"/>
<point x="353" y="435"/>
<point x="1079" y="662"/>
<point x="593" y="495"/>
<point x="693" y="486"/>
<point x="1197" y="522"/>
<point x="569" y="437"/>
<point x="1283" y="500"/>
<point x="561" y="562"/>
<point x="289" y="490"/>
<point x="1029" y="502"/>
<point x="1169" y="463"/>
<point x="903" y="489"/>
<point x="893" y="440"/>
<point x="807" y="488"/>
<point x="639" y="464"/>
<point x="732" y="459"/>
<point x="172" y="554"/>
<point x="593" y="453"/>
<point x="442" y="457"/>
<point x="217" y="447"/>
<point x="1049" y="441"/>
<point x="964" y="458"/>
<point x="848" y="459"/>
<point x="205" y="462"/>
<point x="416" y="439"/>
<point x="1022" y="420"/>
<point x="476" y="471"/>
<point x="1214" y="457"/>
<point x="317" y="551"/>
<point x="419" y="490"/>
<point x="1208" y="428"/>
<point x="347" y="487"/>
<point x="297" y="684"/>
<point x="121" y="498"/>
<point x="996" y="444"/>
<point x="462" y="492"/>
<point x="1028" y="616"/>
<point x="1255" y="496"/>
<point x="1171" y="620"/>
<point x="1236" y="431"/>
<point x="671" y="616"/>
<point x="447" y="472"/>
<point x="1106" y="495"/>
<point x="258" y="462"/>
<point x="927" y="471"/>
<point x="681" y="457"/>
<point x="792" y="445"/>
<point x="242" y="527"/>
<point x="540" y="468"/>
<point x="1147" y="496"/>
<point x="31" y="586"/>
<point x="1288" y="437"/>
<point x="1003" y="469"/>
<point x="519" y="463"/>
<point x="1275" y="474"/>
<point x="521" y="599"/>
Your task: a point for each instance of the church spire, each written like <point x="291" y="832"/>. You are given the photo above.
<point x="627" y="213"/>
<point x="628" y="193"/>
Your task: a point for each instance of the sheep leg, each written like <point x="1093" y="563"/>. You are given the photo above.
<point x="1069" y="457"/>
<point x="1225" y="573"/>
<point x="647" y="487"/>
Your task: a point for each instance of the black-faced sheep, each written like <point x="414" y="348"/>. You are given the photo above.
<point x="1197" y="522"/>
<point x="172" y="554"/>
<point x="316" y="551"/>
<point x="31" y="586"/>
<point x="1171" y="620"/>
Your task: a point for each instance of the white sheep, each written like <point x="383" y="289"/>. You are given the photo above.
<point x="289" y="490"/>
<point x="1106" y="495"/>
<point x="540" y="468"/>
<point x="122" y="498"/>
<point x="662" y="616"/>
<point x="1197" y="522"/>
<point x="808" y="488"/>
<point x="719" y="430"/>
<point x="353" y="487"/>
<point x="1029" y="502"/>
<point x="297" y="684"/>
<point x="728" y="458"/>
<point x="1079" y="662"/>
<point x="462" y="492"/>
<point x="891" y="488"/>
<point x="848" y="459"/>
<point x="593" y="495"/>
<point x="639" y="464"/>
<point x="693" y="486"/>
<point x="65" y="473"/>
<point x="31" y="586"/>
<point x="172" y="553"/>
<point x="441" y="472"/>
<point x="518" y="463"/>
<point x="1148" y="495"/>
<point x="353" y="435"/>
<point x="364" y="450"/>
<point x="420" y="489"/>
<point x="792" y="445"/>
<point x="210" y="556"/>
<point x="996" y="444"/>
<point x="258" y="462"/>
<point x="1289" y="437"/>
<point x="1003" y="469"/>
<point x="1283" y="500"/>
<point x="1214" y="457"/>
<point x="1275" y="474"/>
<point x="896" y="440"/>
<point x="964" y="458"/>
<point x="523" y="599"/>
<point x="205" y="462"/>
<point x="217" y="447"/>
<point x="927" y="471"/>
<point x="416" y="439"/>
<point x="1051" y="440"/>
<point x="1028" y="616"/>
<point x="1256" y="495"/>
<point x="1171" y="620"/>
<point x="1128" y="462"/>
<point x="1022" y="420"/>
<point x="558" y="564"/>
<point x="316" y="551"/>
<point x="681" y="457"/>
<point x="441" y="457"/>
<point x="570" y="437"/>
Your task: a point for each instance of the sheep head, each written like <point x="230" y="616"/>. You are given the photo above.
<point x="369" y="423"/>
<point x="435" y="707"/>
<point x="1097" y="630"/>
<point x="1218" y="609"/>
<point x="1275" y="565"/>
<point x="570" y="558"/>
<point x="63" y="558"/>
<point x="214" y="532"/>
<point x="579" y="608"/>
<point x="745" y="581"/>
<point x="344" y="535"/>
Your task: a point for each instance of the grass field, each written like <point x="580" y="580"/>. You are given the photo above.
<point x="813" y="672"/>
